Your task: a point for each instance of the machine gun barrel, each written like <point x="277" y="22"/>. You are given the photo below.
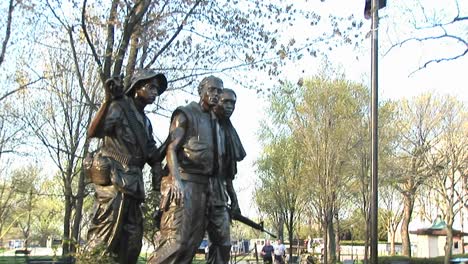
<point x="251" y="223"/>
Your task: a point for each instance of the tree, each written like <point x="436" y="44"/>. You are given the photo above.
<point x="138" y="34"/>
<point x="6" y="37"/>
<point x="58" y="115"/>
<point x="208" y="36"/>
<point x="281" y="189"/>
<point x="433" y="23"/>
<point x="419" y="123"/>
<point x="316" y="117"/>
<point x="7" y="195"/>
<point x="25" y="184"/>
<point x="447" y="162"/>
<point x="17" y="199"/>
<point x="19" y="23"/>
<point x="331" y="107"/>
<point x="392" y="201"/>
<point x="48" y="212"/>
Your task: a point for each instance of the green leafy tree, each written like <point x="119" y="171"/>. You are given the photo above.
<point x="391" y="213"/>
<point x="330" y="108"/>
<point x="419" y="122"/>
<point x="281" y="189"/>
<point x="25" y="182"/>
<point x="447" y="162"/>
<point x="7" y="202"/>
<point x="315" y="119"/>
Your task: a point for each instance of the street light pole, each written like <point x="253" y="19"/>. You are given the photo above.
<point x="374" y="117"/>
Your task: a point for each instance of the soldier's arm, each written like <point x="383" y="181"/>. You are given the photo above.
<point x="233" y="197"/>
<point x="155" y="157"/>
<point x="177" y="132"/>
<point x="112" y="120"/>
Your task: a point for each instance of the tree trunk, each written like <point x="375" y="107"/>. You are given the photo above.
<point x="28" y="224"/>
<point x="367" y="235"/>
<point x="366" y="242"/>
<point x="407" y="213"/>
<point x="448" y="244"/>
<point x="462" y="217"/>
<point x="337" y="239"/>
<point x="331" y="239"/>
<point x="66" y="223"/>
<point x="324" y="254"/>
<point x="291" y="233"/>
<point x="392" y="242"/>
<point x="76" y="236"/>
<point x="79" y="204"/>
<point x="281" y="228"/>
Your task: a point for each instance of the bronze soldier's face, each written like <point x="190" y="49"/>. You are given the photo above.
<point x="210" y="94"/>
<point x="148" y="92"/>
<point x="227" y="103"/>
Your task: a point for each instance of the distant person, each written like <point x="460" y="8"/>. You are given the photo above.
<point x="279" y="251"/>
<point x="267" y="252"/>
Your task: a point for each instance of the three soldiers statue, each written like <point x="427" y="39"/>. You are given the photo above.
<point x="197" y="194"/>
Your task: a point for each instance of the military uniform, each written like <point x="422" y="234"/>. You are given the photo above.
<point x="204" y="200"/>
<point x="117" y="221"/>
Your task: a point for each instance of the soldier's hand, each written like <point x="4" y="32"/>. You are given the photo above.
<point x="177" y="191"/>
<point x="235" y="209"/>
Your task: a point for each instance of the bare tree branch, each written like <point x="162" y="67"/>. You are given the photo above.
<point x="440" y="60"/>
<point x="20" y="88"/>
<point x="436" y="24"/>
<point x="77" y="69"/>
<point x="90" y="43"/>
<point x="7" y="31"/>
<point x="132" y="20"/>
<point x="132" y="56"/>
<point x="181" y="26"/>
<point x="110" y="38"/>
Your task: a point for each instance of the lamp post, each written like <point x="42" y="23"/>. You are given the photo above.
<point x="375" y="100"/>
<point x="371" y="10"/>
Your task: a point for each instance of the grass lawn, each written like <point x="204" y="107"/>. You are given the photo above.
<point x="17" y="259"/>
<point x="22" y="259"/>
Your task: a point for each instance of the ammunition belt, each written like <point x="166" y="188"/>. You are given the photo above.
<point x="123" y="158"/>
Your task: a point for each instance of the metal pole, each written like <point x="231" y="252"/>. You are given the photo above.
<point x="374" y="116"/>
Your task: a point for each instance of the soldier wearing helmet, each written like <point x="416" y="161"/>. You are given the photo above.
<point x="116" y="170"/>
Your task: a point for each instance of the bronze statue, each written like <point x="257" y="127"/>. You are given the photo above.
<point x="231" y="152"/>
<point x="234" y="150"/>
<point x="191" y="198"/>
<point x="116" y="169"/>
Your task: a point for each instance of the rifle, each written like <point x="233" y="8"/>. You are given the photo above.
<point x="249" y="222"/>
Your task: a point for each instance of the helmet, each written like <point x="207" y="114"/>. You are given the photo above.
<point x="147" y="74"/>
